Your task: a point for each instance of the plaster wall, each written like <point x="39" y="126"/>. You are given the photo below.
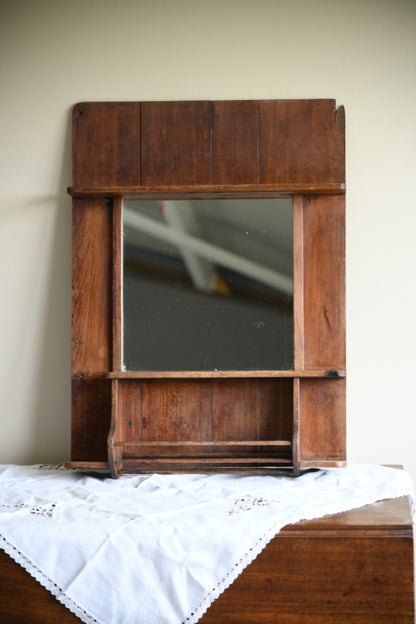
<point x="55" y="53"/>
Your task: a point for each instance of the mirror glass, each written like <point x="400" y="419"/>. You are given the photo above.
<point x="208" y="285"/>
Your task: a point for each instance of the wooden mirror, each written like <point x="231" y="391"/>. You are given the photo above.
<point x="148" y="179"/>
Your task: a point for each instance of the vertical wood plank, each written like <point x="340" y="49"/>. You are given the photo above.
<point x="176" y="143"/>
<point x="275" y="408"/>
<point x="324" y="282"/>
<point x="301" y="141"/>
<point x="91" y="415"/>
<point x="91" y="286"/>
<point x="295" y="425"/>
<point x="235" y="142"/>
<point x="322" y="433"/>
<point x="117" y="285"/>
<point x="298" y="285"/>
<point x="235" y="410"/>
<point x="130" y="407"/>
<point x="106" y="144"/>
<point x="176" y="410"/>
<point x="115" y="433"/>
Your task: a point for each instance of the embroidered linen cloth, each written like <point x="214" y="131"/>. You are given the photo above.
<point x="159" y="549"/>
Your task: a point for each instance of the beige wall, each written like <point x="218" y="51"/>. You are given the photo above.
<point x="54" y="53"/>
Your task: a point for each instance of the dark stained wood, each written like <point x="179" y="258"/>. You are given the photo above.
<point x="115" y="433"/>
<point x="88" y="465"/>
<point x="323" y="581"/>
<point x="204" y="191"/>
<point x="91" y="416"/>
<point x="301" y="140"/>
<point x="298" y="285"/>
<point x="106" y="143"/>
<point x="235" y="142"/>
<point x="275" y="409"/>
<point x="91" y="286"/>
<point x="322" y="431"/>
<point x="195" y="419"/>
<point x="324" y="282"/>
<point x="24" y="601"/>
<point x="222" y="374"/>
<point x="257" y="410"/>
<point x="354" y="567"/>
<point x="391" y="517"/>
<point x="117" y="286"/>
<point x="234" y="408"/>
<point x="199" y="463"/>
<point x="130" y="405"/>
<point x="295" y="426"/>
<point x="176" y="410"/>
<point x="176" y="143"/>
<point x="207" y="443"/>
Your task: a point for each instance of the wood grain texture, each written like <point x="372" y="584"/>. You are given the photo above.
<point x="114" y="450"/>
<point x="117" y="285"/>
<point x="324" y="282"/>
<point x="91" y="286"/>
<point x="176" y="143"/>
<point x="322" y="430"/>
<point x="264" y="141"/>
<point x="298" y="285"/>
<point x="204" y="418"/>
<point x="91" y="416"/>
<point x="351" y="568"/>
<point x="235" y="142"/>
<point x="176" y="410"/>
<point x="301" y="140"/>
<point x="210" y="191"/>
<point x="229" y="374"/>
<point x="327" y="580"/>
<point x="106" y="143"/>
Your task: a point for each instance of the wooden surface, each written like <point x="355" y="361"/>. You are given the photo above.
<point x="207" y="191"/>
<point x="301" y="140"/>
<point x="91" y="285"/>
<point x="352" y="568"/>
<point x="107" y="136"/>
<point x="202" y="142"/>
<point x="235" y="142"/>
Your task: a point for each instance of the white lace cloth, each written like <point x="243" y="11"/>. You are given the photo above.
<point x="158" y="549"/>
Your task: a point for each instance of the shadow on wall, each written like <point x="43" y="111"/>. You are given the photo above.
<point x="51" y="411"/>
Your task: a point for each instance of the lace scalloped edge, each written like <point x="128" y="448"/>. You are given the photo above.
<point x="256" y="549"/>
<point x="230" y="576"/>
<point x="46" y="582"/>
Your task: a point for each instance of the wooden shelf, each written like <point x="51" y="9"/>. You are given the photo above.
<point x="86" y="465"/>
<point x="205" y="443"/>
<point x="156" y="462"/>
<point x="246" y="191"/>
<point x="251" y="374"/>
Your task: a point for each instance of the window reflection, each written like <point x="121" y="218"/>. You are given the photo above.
<point x="208" y="284"/>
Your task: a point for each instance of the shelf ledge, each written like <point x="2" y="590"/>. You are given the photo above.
<point x="220" y="374"/>
<point x="210" y="190"/>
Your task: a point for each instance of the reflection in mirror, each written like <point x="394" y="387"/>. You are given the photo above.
<point x="208" y="285"/>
